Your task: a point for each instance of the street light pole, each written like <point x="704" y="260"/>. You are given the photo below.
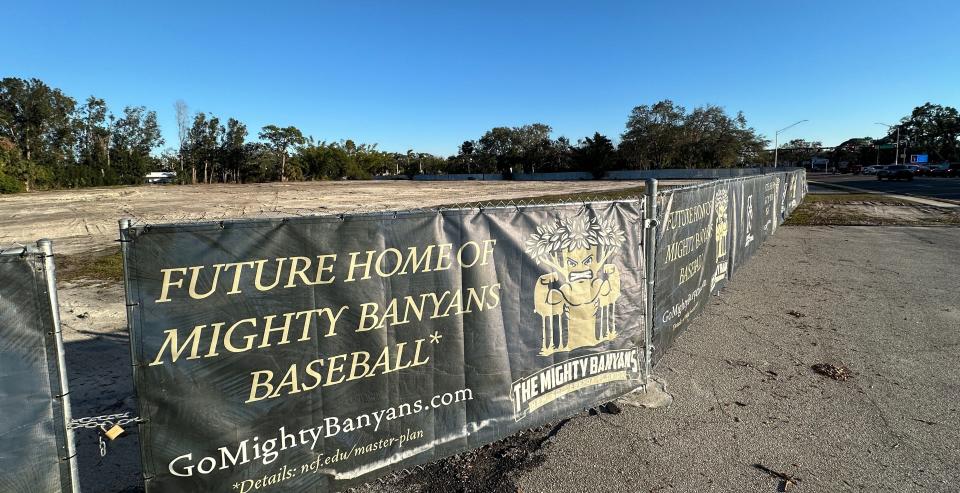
<point x="896" y="157"/>
<point x="776" y="141"/>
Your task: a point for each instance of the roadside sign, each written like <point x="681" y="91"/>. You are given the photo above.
<point x="918" y="158"/>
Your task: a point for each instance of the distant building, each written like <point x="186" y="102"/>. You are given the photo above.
<point x="160" y="177"/>
<point x="819" y="163"/>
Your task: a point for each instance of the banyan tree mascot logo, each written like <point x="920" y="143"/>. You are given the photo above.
<point x="577" y="299"/>
<point x="776" y="204"/>
<point x="721" y="229"/>
<point x="792" y="191"/>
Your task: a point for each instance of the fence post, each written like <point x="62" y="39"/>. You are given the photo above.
<point x="124" y="239"/>
<point x="650" y="228"/>
<point x="50" y="274"/>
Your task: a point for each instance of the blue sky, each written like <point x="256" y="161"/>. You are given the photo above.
<point x="429" y="75"/>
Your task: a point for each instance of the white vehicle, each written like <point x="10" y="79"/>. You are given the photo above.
<point x="872" y="170"/>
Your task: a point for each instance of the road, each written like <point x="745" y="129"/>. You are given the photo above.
<point x="935" y="188"/>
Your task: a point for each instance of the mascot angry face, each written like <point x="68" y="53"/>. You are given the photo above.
<point x="577" y="299"/>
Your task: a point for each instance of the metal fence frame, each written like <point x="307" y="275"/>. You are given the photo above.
<point x="42" y="251"/>
<point x="651" y="230"/>
<point x="45" y="248"/>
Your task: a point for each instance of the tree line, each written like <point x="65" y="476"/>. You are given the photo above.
<point x="51" y="140"/>
<point x="930" y="129"/>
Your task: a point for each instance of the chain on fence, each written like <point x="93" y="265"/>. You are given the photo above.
<point x="108" y="426"/>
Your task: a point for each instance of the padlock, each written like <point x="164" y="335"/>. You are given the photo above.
<point x="114" y="432"/>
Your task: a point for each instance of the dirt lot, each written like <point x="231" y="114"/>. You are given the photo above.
<point x="86" y="220"/>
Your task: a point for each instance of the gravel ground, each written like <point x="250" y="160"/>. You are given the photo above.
<point x="882" y="302"/>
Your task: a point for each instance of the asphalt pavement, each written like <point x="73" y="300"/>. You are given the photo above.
<point x="921" y="186"/>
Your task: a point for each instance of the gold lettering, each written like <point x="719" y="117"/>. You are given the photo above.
<point x="396" y="265"/>
<point x="257" y="383"/>
<point x="297" y="271"/>
<point x="258" y="279"/>
<point x="322" y="268"/>
<point x="365" y="265"/>
<point x="235" y="289"/>
<point x="476" y="254"/>
<point x="356" y="364"/>
<point x="289" y="379"/>
<point x="265" y="341"/>
<point x="175" y="349"/>
<point x="196" y="275"/>
<point x="443" y="253"/>
<point x="414" y="264"/>
<point x="315" y="374"/>
<point x="167" y="283"/>
<point x="368" y="311"/>
<point x="228" y="336"/>
<point x="333" y="367"/>
<point x="488" y="250"/>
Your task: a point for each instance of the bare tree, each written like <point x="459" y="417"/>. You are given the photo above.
<point x="183" y="129"/>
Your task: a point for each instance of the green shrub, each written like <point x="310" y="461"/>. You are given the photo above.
<point x="9" y="184"/>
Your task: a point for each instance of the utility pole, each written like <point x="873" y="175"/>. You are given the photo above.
<point x="776" y="141"/>
<point x="896" y="157"/>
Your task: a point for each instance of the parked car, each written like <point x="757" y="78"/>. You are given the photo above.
<point x="896" y="172"/>
<point x="872" y="170"/>
<point x="940" y="170"/>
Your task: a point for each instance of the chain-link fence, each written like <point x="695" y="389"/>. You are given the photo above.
<point x="691" y="240"/>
